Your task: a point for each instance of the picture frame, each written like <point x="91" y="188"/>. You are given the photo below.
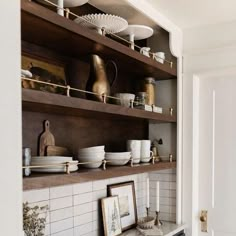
<point x="127" y="203"/>
<point x="46" y="71"/>
<point x="111" y="216"/>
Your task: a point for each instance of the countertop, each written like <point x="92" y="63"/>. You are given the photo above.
<point x="167" y="228"/>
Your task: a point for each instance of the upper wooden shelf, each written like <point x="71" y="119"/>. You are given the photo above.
<point x="38" y="101"/>
<point x="36" y="181"/>
<point x="44" y="27"/>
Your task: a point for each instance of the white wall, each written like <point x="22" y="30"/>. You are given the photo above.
<point x="10" y="117"/>
<point x="208" y="47"/>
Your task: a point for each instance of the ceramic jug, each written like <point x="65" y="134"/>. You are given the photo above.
<point x="98" y="82"/>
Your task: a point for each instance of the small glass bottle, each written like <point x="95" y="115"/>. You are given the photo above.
<point x="26" y="161"/>
<point x="149" y="88"/>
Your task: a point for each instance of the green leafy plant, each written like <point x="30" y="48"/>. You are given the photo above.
<point x="33" y="221"/>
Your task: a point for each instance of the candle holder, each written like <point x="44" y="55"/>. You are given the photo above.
<point x="158" y="223"/>
<point x="147" y="209"/>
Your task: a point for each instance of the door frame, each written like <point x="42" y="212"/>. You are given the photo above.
<point x="223" y="72"/>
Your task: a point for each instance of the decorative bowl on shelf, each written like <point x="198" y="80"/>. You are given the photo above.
<point x="93" y="155"/>
<point x="117" y="158"/>
<point x="146" y="222"/>
<point x="124" y="99"/>
<point x="111" y="23"/>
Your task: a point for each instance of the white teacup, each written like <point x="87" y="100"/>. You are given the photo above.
<point x="159" y="56"/>
<point x="134" y="146"/>
<point x="145" y="51"/>
<point x="146" y="154"/>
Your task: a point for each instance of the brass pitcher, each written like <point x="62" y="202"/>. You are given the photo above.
<point x="98" y="82"/>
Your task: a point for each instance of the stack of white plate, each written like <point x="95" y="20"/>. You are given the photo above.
<point x="94" y="155"/>
<point x="53" y="164"/>
<point x="117" y="158"/>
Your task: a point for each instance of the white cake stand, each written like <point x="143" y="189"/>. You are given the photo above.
<point x="110" y="23"/>
<point x="136" y="32"/>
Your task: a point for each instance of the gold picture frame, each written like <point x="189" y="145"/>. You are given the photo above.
<point x="111" y="216"/>
<point x="127" y="203"/>
<point x="43" y="70"/>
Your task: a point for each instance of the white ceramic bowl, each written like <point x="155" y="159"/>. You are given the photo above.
<point x="92" y="149"/>
<point x="117" y="161"/>
<point x="117" y="154"/>
<point x="96" y="158"/>
<point x="124" y="98"/>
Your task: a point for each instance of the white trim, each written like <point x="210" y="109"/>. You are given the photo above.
<point x="195" y="154"/>
<point x="213" y="149"/>
<point x="179" y="177"/>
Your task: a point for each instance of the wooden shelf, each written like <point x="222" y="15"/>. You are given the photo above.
<point x="36" y="181"/>
<point x="65" y="36"/>
<point x="38" y="101"/>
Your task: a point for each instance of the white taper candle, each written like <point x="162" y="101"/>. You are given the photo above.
<point x="147" y="192"/>
<point x="157" y="196"/>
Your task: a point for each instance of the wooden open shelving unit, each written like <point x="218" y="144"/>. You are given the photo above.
<point x="67" y="37"/>
<point x="36" y="181"/>
<point x="44" y="31"/>
<point x="38" y="101"/>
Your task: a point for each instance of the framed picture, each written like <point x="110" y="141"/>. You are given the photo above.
<point x="111" y="216"/>
<point x="127" y="203"/>
<point x="43" y="70"/>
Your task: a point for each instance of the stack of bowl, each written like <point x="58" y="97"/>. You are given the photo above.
<point x="53" y="164"/>
<point x="117" y="158"/>
<point x="94" y="155"/>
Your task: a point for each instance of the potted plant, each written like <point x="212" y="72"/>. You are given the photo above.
<point x="33" y="221"/>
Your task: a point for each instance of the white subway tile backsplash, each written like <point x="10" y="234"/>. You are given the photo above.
<point x="36" y="195"/>
<point x="75" y="209"/>
<point x="61" y="225"/>
<point x="95" y="215"/>
<point x="60" y="203"/>
<point x="61" y="214"/>
<point x="100" y="184"/>
<point x="83" y="198"/>
<point x="68" y="232"/>
<point x="83" y="229"/>
<point x="96" y="205"/>
<point x="47" y="230"/>
<point x="82" y="188"/>
<point x="95" y="225"/>
<point x="119" y="179"/>
<point x="62" y="191"/>
<point x="97" y="195"/>
<point x="83" y="219"/>
<point x="83" y="208"/>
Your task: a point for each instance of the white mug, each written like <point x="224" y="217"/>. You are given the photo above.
<point x="146" y="154"/>
<point x="134" y="146"/>
<point x="159" y="56"/>
<point x="145" y="51"/>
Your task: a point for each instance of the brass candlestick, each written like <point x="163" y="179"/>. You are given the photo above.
<point x="147" y="209"/>
<point x="158" y="223"/>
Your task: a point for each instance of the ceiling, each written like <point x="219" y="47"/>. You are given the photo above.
<point x="193" y="13"/>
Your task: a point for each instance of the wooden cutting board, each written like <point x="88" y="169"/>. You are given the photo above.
<point x="46" y="138"/>
<point x="57" y="151"/>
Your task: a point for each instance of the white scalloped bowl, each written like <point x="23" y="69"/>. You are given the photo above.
<point x="111" y="23"/>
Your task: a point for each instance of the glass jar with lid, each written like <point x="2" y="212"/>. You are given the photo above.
<point x="149" y="88"/>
